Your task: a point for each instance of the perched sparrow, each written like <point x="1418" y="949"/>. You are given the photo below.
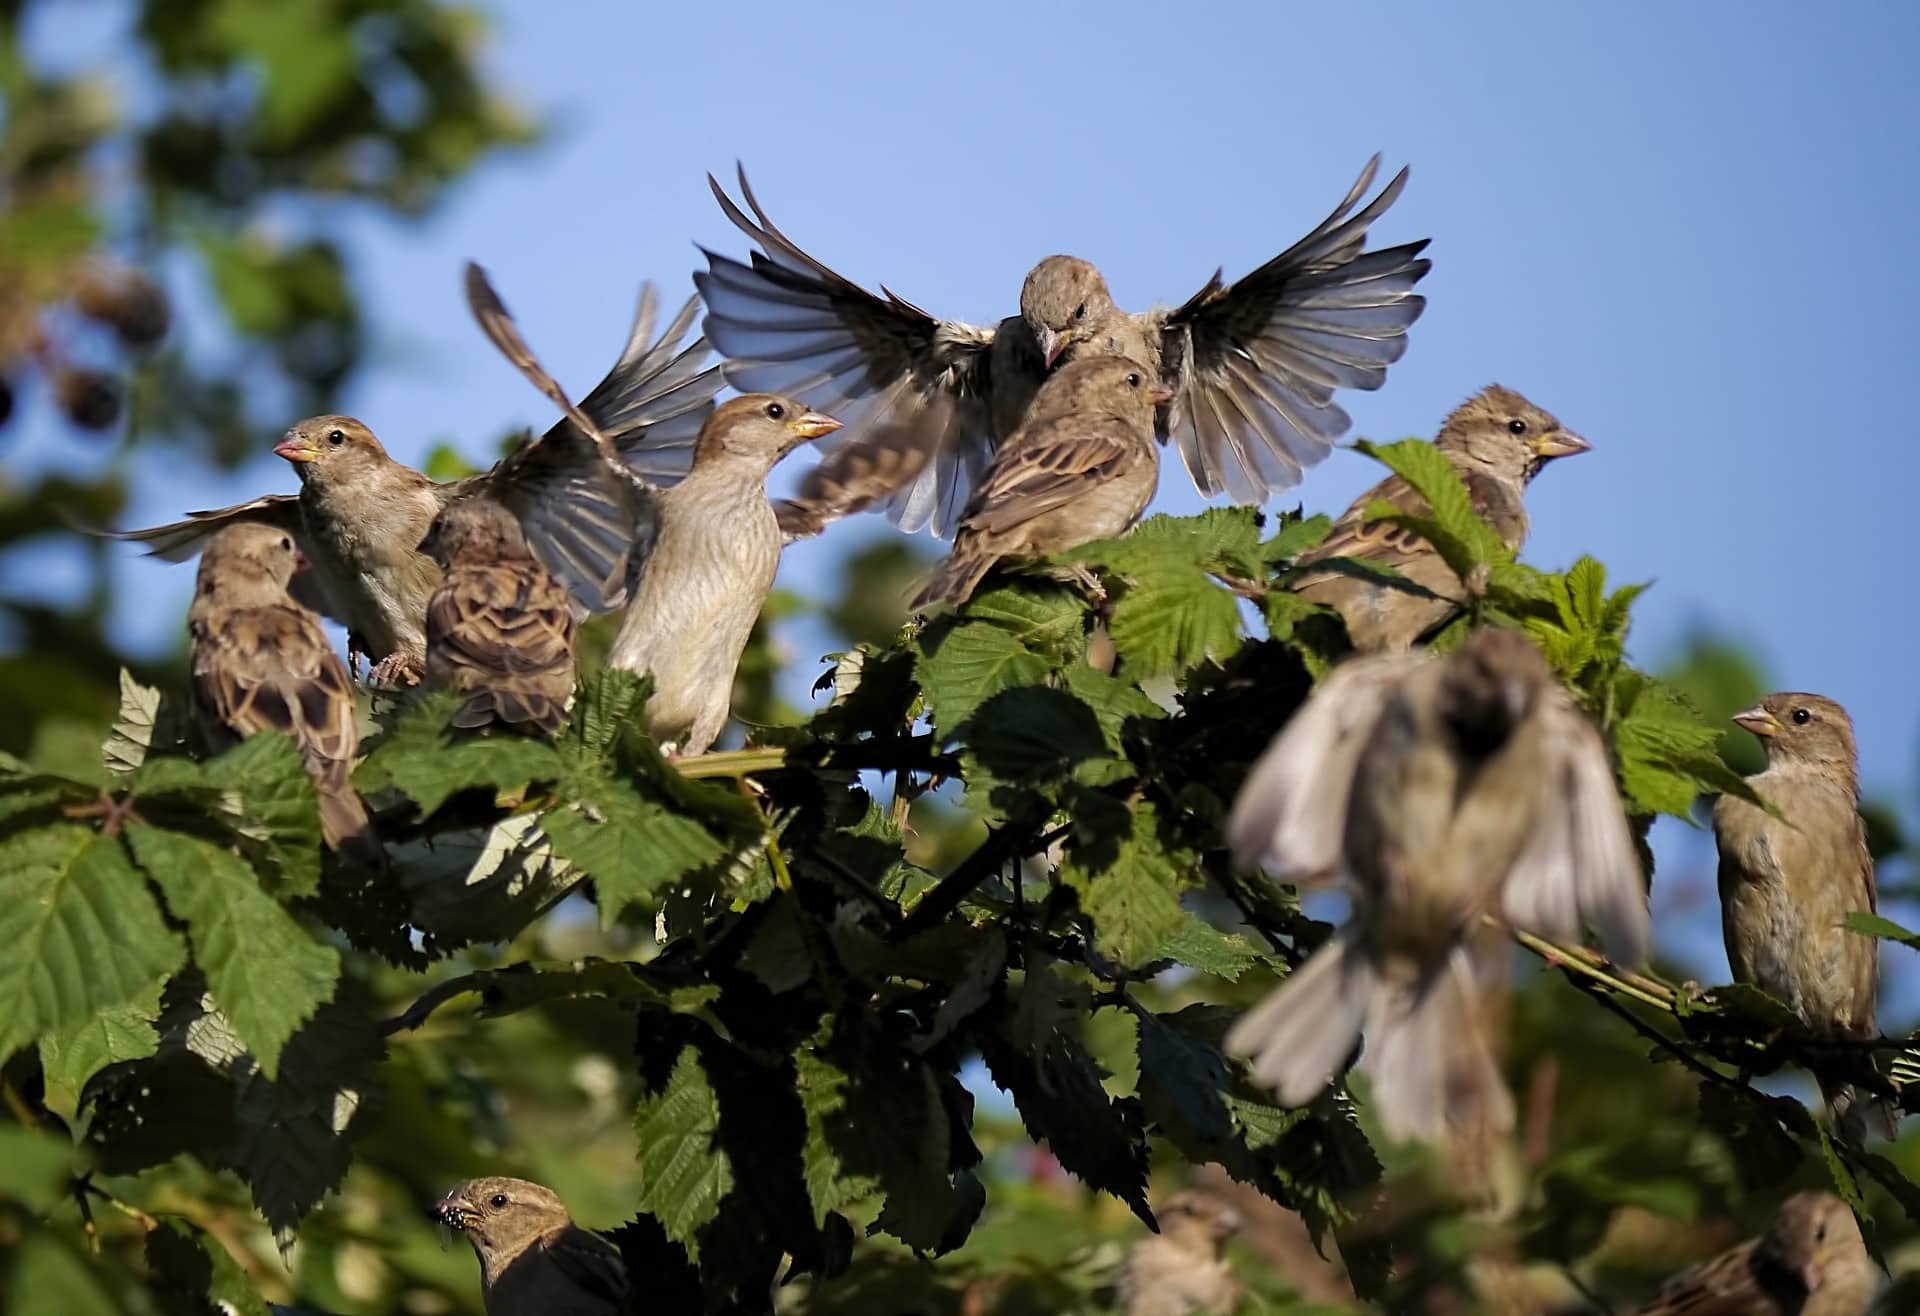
<point x="499" y="628"/>
<point x="1082" y="468"/>
<point x="1786" y="887"/>
<point x="1180" y="1270"/>
<point x="1443" y="788"/>
<point x="1253" y="366"/>
<point x="1497" y="441"/>
<point x="1810" y="1262"/>
<point x="534" y="1261"/>
<point x="262" y="663"/>
<point x="360" y="515"/>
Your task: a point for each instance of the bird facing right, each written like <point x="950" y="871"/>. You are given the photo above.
<point x="1444" y="788"/>
<point x="1497" y="441"/>
<point x="1180" y="1270"/>
<point x="1786" y="887"/>
<point x="1810" y="1262"/>
<point x="534" y="1261"/>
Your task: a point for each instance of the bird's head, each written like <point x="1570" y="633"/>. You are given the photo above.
<point x="499" y="1215"/>
<point x="1064" y="299"/>
<point x="249" y="562"/>
<point x="1504" y="434"/>
<point x="330" y="448"/>
<point x="1491" y="684"/>
<point x="1198" y="1216"/>
<point x="1799" y="728"/>
<point x="760" y="426"/>
<point x="1813" y="1234"/>
<point x="1115" y="384"/>
<point x="477" y="529"/>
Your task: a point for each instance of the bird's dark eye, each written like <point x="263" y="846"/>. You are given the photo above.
<point x="1080" y="311"/>
<point x="336" y="437"/>
<point x="775" y="411"/>
<point x="1133" y="379"/>
<point x="1801" y="717"/>
<point x="1820" y="1234"/>
<point x="1516" y="426"/>
<point x="286" y="544"/>
<point x="497" y="1201"/>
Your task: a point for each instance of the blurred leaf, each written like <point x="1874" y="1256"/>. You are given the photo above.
<point x="1872" y="925"/>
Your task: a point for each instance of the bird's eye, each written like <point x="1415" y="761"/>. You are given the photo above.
<point x="1133" y="379"/>
<point x="286" y="545"/>
<point x="497" y="1201"/>
<point x="1820" y="1234"/>
<point x="1801" y="717"/>
<point x="775" y="411"/>
<point x="336" y="437"/>
<point x="1516" y="426"/>
<point x="1080" y="311"/>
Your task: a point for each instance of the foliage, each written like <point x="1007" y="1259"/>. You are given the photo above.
<point x="834" y="1059"/>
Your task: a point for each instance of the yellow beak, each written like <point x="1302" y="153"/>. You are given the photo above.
<point x="812" y="424"/>
<point x="1759" y="721"/>
<point x="1558" y="443"/>
<point x="296" y="447"/>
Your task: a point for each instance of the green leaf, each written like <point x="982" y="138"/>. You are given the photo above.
<point x="82" y="930"/>
<point x="143" y="718"/>
<point x="1454" y="528"/>
<point x="71" y="1056"/>
<point x="192" y="1272"/>
<point x="632" y="848"/>
<point x="683" y="1171"/>
<point x="1170" y="612"/>
<point x="425" y="760"/>
<point x="278" y="807"/>
<point x="964" y="665"/>
<point x="605" y="703"/>
<point x="267" y="974"/>
<point x="1131" y="892"/>
<point x="1034" y="735"/>
<point x="1046" y="618"/>
<point x="1198" y="944"/>
<point x="48" y="1276"/>
<point x="1873" y="925"/>
<point x="34" y="1166"/>
<point x="1295" y="537"/>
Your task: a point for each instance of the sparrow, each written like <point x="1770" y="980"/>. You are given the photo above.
<point x="1442" y="789"/>
<point x="1082" y="468"/>
<point x="360" y="515"/>
<point x="1252" y="365"/>
<point x="261" y="663"/>
<point x="1787" y="884"/>
<point x="499" y="627"/>
<point x="1497" y="441"/>
<point x="1180" y="1270"/>
<point x="1810" y="1262"/>
<point x="534" y="1261"/>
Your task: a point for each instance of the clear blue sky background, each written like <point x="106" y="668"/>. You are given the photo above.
<point x="1685" y="229"/>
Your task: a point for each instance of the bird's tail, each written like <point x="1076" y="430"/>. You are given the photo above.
<point x="957" y="577"/>
<point x="1300" y="1036"/>
<point x="1432" y="1070"/>
<point x="346" y="827"/>
<point x="530" y="709"/>
<point x="1859" y="1114"/>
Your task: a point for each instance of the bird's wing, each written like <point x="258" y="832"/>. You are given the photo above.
<point x="501" y="619"/>
<point x="1358" y="536"/>
<point x="853" y="477"/>
<point x="271" y="669"/>
<point x="1254" y="365"/>
<point x="787" y="324"/>
<point x="1723" y="1286"/>
<point x="181" y="540"/>
<point x="1292" y="812"/>
<point x="591" y="1262"/>
<point x="1578" y="868"/>
<point x="1049" y="464"/>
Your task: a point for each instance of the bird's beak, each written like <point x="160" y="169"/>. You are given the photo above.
<point x="301" y="562"/>
<point x="1558" y="443"/>
<point x="454" y="1211"/>
<point x="1227" y="1223"/>
<point x="1053" y="343"/>
<point x="1810" y="1276"/>
<point x="1759" y="721"/>
<point x="1161" y="395"/>
<point x="812" y="424"/>
<point x="296" y="447"/>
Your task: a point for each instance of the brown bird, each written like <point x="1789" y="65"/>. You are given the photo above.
<point x="1443" y="788"/>
<point x="534" y="1261"/>
<point x="1253" y="365"/>
<point x="1497" y="441"/>
<point x="262" y="663"/>
<point x="1082" y="468"/>
<point x="1180" y="1270"/>
<point x="360" y="515"/>
<point x="1810" y="1262"/>
<point x="499" y="628"/>
<point x="1786" y="887"/>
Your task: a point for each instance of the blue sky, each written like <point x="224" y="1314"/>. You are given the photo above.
<point x="1683" y="229"/>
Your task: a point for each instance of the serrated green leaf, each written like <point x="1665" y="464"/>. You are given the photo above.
<point x="1047" y="618"/>
<point x="426" y="761"/>
<point x="1114" y="702"/>
<point x="967" y="664"/>
<point x="71" y="1056"/>
<point x="604" y="704"/>
<point x="265" y="971"/>
<point x="1296" y="537"/>
<point x="1131" y="893"/>
<point x="1169" y="618"/>
<point x="683" y="1171"/>
<point x="1750" y="1004"/>
<point x="1198" y="944"/>
<point x="278" y="806"/>
<point x="82" y="930"/>
<point x="1465" y="539"/>
<point x="1034" y="735"/>
<point x="631" y="847"/>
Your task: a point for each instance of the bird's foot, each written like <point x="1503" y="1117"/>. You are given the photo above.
<point x="396" y="671"/>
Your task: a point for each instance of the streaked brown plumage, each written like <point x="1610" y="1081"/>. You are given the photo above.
<point x="1443" y="788"/>
<point x="534" y="1261"/>
<point x="1082" y="468"/>
<point x="1180" y="1270"/>
<point x="1253" y="366"/>
<point x="1810" y="1262"/>
<point x="1498" y="441"/>
<point x="499" y="627"/>
<point x="262" y="663"/>
<point x="360" y="515"/>
<point x="1786" y="887"/>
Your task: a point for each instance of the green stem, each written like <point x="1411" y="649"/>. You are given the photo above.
<point x="732" y="762"/>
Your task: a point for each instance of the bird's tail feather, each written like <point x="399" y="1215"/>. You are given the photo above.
<point x="514" y="708"/>
<point x="1859" y="1114"/>
<point x="956" y="579"/>
<point x="1300" y="1036"/>
<point x="1432" y="1070"/>
<point x="347" y="829"/>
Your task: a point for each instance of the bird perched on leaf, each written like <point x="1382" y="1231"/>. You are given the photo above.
<point x="1180" y="1270"/>
<point x="500" y="629"/>
<point x="360" y="515"/>
<point x="1082" y="468"/>
<point x="262" y="663"/>
<point x="1442" y="789"/>
<point x="1497" y="441"/>
<point x="1810" y="1262"/>
<point x="1787" y="884"/>
<point x="534" y="1261"/>
<point x="1253" y="365"/>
